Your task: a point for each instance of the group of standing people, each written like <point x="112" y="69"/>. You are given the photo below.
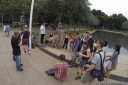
<point x="7" y="29"/>
<point x="18" y="40"/>
<point x="85" y="51"/>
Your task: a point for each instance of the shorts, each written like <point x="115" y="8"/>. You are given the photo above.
<point x="74" y="55"/>
<point x="86" y="78"/>
<point x="82" y="63"/>
<point x="110" y="66"/>
<point x="25" y="41"/>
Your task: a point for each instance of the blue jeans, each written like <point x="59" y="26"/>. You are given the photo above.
<point x="18" y="61"/>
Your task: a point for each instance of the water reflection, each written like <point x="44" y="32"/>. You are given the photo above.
<point x="113" y="39"/>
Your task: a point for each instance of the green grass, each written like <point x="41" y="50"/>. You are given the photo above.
<point x="45" y="38"/>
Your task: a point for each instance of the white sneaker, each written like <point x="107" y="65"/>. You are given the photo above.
<point x="29" y="52"/>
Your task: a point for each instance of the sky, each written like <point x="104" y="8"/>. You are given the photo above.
<point x="111" y="6"/>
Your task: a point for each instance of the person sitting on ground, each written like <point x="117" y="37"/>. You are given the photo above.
<point x="113" y="61"/>
<point x="85" y="56"/>
<point x="59" y="70"/>
<point x="51" y="39"/>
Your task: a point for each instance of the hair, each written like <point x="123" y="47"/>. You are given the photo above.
<point x="101" y="43"/>
<point x="117" y="48"/>
<point x="62" y="57"/>
<point x="86" y="43"/>
<point x="16" y="33"/>
<point x="105" y="43"/>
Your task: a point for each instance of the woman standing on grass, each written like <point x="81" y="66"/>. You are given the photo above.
<point x="113" y="61"/>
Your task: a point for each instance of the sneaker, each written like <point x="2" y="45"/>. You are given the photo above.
<point x="29" y="52"/>
<point x="20" y="69"/>
<point x="24" y="53"/>
<point x="78" y="78"/>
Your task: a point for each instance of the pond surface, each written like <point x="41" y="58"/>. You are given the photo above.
<point x="113" y="39"/>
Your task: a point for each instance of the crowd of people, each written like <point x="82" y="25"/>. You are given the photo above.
<point x="18" y="40"/>
<point x="84" y="51"/>
<point x="7" y="29"/>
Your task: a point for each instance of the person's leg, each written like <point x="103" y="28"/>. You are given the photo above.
<point x="27" y="45"/>
<point x="18" y="60"/>
<point x="79" y="73"/>
<point x="41" y="38"/>
<point x="24" y="47"/>
<point x="73" y="59"/>
<point x="66" y="45"/>
<point x="107" y="73"/>
<point x="87" y="78"/>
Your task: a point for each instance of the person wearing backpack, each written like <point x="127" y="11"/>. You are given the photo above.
<point x="95" y="70"/>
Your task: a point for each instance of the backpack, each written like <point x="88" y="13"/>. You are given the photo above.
<point x="79" y="47"/>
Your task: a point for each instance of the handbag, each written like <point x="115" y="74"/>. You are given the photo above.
<point x="99" y="74"/>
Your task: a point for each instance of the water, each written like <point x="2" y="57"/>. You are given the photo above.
<point x="113" y="39"/>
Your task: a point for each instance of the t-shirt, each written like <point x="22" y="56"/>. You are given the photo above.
<point x="16" y="49"/>
<point x="97" y="61"/>
<point x="76" y="44"/>
<point x="26" y="34"/>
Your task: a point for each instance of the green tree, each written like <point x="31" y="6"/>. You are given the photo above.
<point x="125" y="25"/>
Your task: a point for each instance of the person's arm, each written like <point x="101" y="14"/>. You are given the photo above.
<point x="91" y="67"/>
<point x="94" y="62"/>
<point x="113" y="56"/>
<point x="21" y="38"/>
<point x="55" y="67"/>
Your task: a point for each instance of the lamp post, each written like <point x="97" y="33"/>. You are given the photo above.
<point x="30" y="23"/>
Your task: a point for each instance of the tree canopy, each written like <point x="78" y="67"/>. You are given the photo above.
<point x="70" y="12"/>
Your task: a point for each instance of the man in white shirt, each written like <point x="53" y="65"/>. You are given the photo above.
<point x="42" y="33"/>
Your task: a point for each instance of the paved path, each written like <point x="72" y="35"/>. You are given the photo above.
<point x="34" y="67"/>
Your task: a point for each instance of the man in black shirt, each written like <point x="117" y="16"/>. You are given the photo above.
<point x="16" y="43"/>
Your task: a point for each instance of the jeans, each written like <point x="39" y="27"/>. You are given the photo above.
<point x="18" y="61"/>
<point x="65" y="45"/>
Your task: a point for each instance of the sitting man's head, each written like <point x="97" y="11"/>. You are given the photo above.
<point x="62" y="57"/>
